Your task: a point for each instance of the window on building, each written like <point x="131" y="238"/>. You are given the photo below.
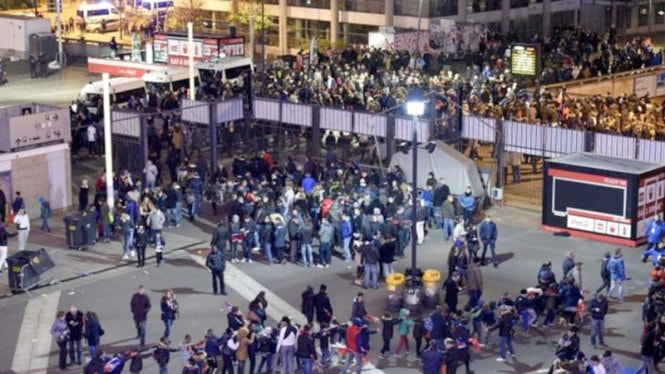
<point x="562" y="19"/>
<point x="624" y="17"/>
<point x="324" y="4"/>
<point x="526" y="28"/>
<point x="659" y="13"/>
<point x="442" y="8"/>
<point x="642" y="15"/>
<point x="356" y="34"/>
<point x="411" y="8"/>
<point x="523" y="3"/>
<point x="476" y="6"/>
<point x="364" y="6"/>
<point x="301" y="32"/>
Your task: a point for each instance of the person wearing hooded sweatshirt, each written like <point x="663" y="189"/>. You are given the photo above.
<point x="44" y="213"/>
<point x="307" y="304"/>
<point x="468" y="203"/>
<point x="505" y="327"/>
<point x="354" y="346"/>
<point x="387" y="329"/>
<point x="403" y="330"/>
<point x="326" y="234"/>
<point x="237" y="237"/>
<point x="617" y="269"/>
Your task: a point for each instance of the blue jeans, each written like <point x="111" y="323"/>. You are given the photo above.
<point x="92" y="349"/>
<point x="307" y="258"/>
<point x="618" y="284"/>
<point x="127" y="241"/>
<point x="267" y="248"/>
<point x="197" y="204"/>
<point x="448" y="228"/>
<point x="45" y="225"/>
<point x="647" y="365"/>
<point x="266" y="360"/>
<point x="652" y="252"/>
<point x="178" y="213"/>
<point x="350" y="357"/>
<point x="306" y="365"/>
<point x="492" y="246"/>
<point x="597" y="330"/>
<point x="324" y="253"/>
<point x="347" y="249"/>
<point x="140" y="331"/>
<point x="371" y="275"/>
<point x="438" y="219"/>
<point x="247" y="246"/>
<point x="234" y="250"/>
<point x="468" y="216"/>
<point x="503" y="342"/>
<point x="106" y="231"/>
<point x="167" y="327"/>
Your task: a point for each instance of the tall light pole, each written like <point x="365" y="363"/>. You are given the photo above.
<point x="190" y="53"/>
<point x="415" y="107"/>
<point x="108" y="146"/>
<point x="58" y="21"/>
<point x="263" y="45"/>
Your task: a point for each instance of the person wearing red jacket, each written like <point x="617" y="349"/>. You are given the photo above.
<point x="354" y="346"/>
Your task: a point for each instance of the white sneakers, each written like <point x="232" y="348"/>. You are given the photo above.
<point x="125" y="257"/>
<point x="132" y="253"/>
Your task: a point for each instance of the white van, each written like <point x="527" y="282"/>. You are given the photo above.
<point x="122" y="89"/>
<point x="159" y="6"/>
<point x="169" y="79"/>
<point x="98" y="17"/>
<point x="225" y="69"/>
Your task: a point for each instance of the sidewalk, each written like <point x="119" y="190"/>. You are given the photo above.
<point x="72" y="264"/>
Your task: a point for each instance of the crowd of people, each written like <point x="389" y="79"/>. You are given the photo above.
<point x="378" y="80"/>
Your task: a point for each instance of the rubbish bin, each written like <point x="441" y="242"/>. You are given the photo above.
<point x="395" y="286"/>
<point x="88" y="223"/>
<point x="412" y="294"/>
<point x="431" y="286"/>
<point x="73" y="232"/>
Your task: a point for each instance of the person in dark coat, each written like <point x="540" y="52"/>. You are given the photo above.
<point x="93" y="332"/>
<point x="432" y="359"/>
<point x="140" y="306"/>
<point x="3" y="205"/>
<point x="324" y="310"/>
<point x="307" y="304"/>
<point x="216" y="263"/>
<point x="388" y="324"/>
<point x="452" y="288"/>
<point x="235" y="319"/>
<point x="75" y="322"/>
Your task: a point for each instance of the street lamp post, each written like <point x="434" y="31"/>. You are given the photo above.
<point x="415" y="107"/>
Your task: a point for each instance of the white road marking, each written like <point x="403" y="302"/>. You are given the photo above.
<point x="34" y="341"/>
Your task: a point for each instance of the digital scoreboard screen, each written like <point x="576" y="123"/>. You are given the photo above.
<point x="524" y="60"/>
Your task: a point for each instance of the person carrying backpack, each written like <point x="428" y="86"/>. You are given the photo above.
<point x="162" y="355"/>
<point x="229" y="344"/>
<point x="617" y="268"/>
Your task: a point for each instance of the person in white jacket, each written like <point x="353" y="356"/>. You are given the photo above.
<point x="597" y="366"/>
<point x="460" y="231"/>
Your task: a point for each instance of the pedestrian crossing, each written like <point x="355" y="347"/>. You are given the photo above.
<point x="34" y="343"/>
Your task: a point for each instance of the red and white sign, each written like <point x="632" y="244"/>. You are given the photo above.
<point x="580" y="223"/>
<point x="598" y="223"/>
<point x="175" y="48"/>
<point x="117" y="68"/>
<point x="232" y="46"/>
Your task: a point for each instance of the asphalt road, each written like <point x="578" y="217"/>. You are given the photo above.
<point x="522" y="248"/>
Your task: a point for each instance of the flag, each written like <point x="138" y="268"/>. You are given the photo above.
<point x="313" y="47"/>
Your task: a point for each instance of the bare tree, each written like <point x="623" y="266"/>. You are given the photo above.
<point x="250" y="13"/>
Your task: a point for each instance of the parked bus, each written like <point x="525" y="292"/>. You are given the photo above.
<point x="121" y="89"/>
<point x="170" y="79"/>
<point x="224" y="69"/>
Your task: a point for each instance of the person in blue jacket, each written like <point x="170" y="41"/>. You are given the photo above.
<point x="488" y="234"/>
<point x="468" y="203"/>
<point x="617" y="268"/>
<point x="653" y="232"/>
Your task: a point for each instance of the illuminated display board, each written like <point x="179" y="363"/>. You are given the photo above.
<point x="524" y="59"/>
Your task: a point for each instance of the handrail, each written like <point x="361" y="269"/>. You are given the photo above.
<point x="637" y="73"/>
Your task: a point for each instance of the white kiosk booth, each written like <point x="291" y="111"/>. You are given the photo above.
<point x="34" y="155"/>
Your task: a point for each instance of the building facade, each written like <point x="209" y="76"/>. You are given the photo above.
<point x="295" y="22"/>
